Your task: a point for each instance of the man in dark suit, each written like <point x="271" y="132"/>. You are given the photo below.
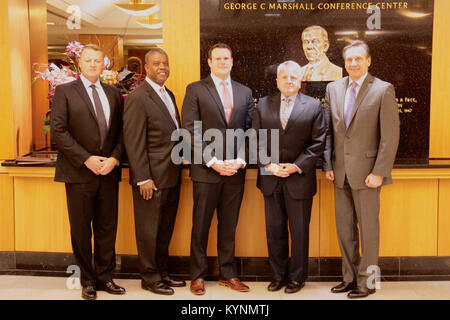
<point x="86" y="124"/>
<point x="150" y="118"/>
<point x="219" y="103"/>
<point x="361" y="146"/>
<point x="289" y="184"/>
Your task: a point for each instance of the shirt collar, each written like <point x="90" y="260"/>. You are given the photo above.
<point x="154" y="85"/>
<point x="218" y="81"/>
<point x="87" y="83"/>
<point x="359" y="81"/>
<point x="291" y="98"/>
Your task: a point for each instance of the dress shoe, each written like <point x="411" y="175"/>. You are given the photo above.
<point x="174" y="283"/>
<point x="293" y="286"/>
<point x="89" y="293"/>
<point x="111" y="288"/>
<point x="343" y="287"/>
<point x="277" y="285"/>
<point x="235" y="284"/>
<point x="158" y="287"/>
<point x="359" y="292"/>
<point x="198" y="286"/>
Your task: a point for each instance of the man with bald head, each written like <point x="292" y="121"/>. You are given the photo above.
<point x="315" y="46"/>
<point x="289" y="182"/>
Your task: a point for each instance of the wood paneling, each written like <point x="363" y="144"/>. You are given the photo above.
<point x="329" y="246"/>
<point x="6" y="212"/>
<point x="7" y="144"/>
<point x="39" y="55"/>
<point x="41" y="220"/>
<point x="181" y="36"/>
<point x="20" y="75"/>
<point x="444" y="218"/>
<point x="440" y="83"/>
<point x="408" y="218"/>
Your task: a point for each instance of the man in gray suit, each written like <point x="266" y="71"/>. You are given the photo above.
<point x="361" y="146"/>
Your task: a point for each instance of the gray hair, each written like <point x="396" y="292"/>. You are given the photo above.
<point x="289" y="65"/>
<point x="152" y="51"/>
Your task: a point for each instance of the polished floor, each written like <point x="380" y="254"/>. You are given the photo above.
<point x="14" y="287"/>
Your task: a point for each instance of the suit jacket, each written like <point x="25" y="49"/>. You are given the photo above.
<point x="202" y="103"/>
<point x="302" y="142"/>
<point x="369" y="144"/>
<point x="147" y="130"/>
<point x="75" y="130"/>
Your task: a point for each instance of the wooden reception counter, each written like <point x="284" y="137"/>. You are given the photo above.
<point x="415" y="215"/>
<point x="415" y="219"/>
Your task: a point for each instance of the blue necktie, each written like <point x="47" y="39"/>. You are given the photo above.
<point x="350" y="104"/>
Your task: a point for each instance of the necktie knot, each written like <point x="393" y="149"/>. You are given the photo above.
<point x="354" y="85"/>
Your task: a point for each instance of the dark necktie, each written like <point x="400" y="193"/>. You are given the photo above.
<point x="101" y="119"/>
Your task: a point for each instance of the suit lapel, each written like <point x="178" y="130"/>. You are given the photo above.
<point x="177" y="114"/>
<point x="84" y="95"/>
<point x="298" y="108"/>
<point x="155" y="97"/>
<point x="342" y="91"/>
<point x="361" y="94"/>
<point x="235" y="100"/>
<point x="215" y="95"/>
<point x="275" y="104"/>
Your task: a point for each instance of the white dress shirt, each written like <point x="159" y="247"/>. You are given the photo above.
<point x="101" y="94"/>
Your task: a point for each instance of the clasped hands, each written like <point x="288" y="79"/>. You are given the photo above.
<point x="282" y="170"/>
<point x="227" y="167"/>
<point x="101" y="165"/>
<point x="372" y="180"/>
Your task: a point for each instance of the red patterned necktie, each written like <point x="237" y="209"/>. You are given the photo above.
<point x="227" y="103"/>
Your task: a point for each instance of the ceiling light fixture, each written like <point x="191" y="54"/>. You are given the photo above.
<point x="150" y="22"/>
<point x="137" y="8"/>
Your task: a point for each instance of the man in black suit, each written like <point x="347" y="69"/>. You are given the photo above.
<point x="219" y="103"/>
<point x="86" y="123"/>
<point x="289" y="184"/>
<point x="149" y="119"/>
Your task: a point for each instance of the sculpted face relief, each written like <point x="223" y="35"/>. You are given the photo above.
<point x="314" y="45"/>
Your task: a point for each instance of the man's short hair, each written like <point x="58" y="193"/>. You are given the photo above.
<point x="289" y="64"/>
<point x="357" y="43"/>
<point x="94" y="47"/>
<point x="221" y="46"/>
<point x="322" y="31"/>
<point x="152" y="51"/>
